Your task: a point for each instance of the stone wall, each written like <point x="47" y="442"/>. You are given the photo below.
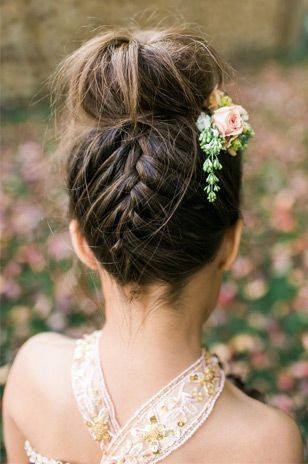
<point x="36" y="34"/>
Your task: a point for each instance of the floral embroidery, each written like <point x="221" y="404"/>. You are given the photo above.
<point x="170" y="418"/>
<point x="159" y="426"/>
<point x="90" y="392"/>
<point x="100" y="428"/>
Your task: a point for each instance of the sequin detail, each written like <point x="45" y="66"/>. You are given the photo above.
<point x="158" y="427"/>
<point x="90" y="391"/>
<point x="36" y="458"/>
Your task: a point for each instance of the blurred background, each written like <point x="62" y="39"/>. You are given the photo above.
<point x="260" y="326"/>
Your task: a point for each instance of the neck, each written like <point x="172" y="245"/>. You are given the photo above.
<point x="145" y="332"/>
<point x="154" y="336"/>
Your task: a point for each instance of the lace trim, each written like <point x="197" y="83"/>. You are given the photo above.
<point x="90" y="391"/>
<point x="159" y="426"/>
<point x="170" y="419"/>
<point x="36" y="458"/>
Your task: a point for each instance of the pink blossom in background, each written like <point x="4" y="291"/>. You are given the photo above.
<point x="25" y="217"/>
<point x="283" y="402"/>
<point x="31" y="255"/>
<point x="285" y="381"/>
<point x="10" y="288"/>
<point x="30" y="156"/>
<point x="299" y="369"/>
<point x="59" y="246"/>
<point x="227" y="294"/>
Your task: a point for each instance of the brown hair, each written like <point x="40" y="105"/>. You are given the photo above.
<point x="134" y="169"/>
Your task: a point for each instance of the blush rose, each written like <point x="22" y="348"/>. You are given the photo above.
<point x="229" y="120"/>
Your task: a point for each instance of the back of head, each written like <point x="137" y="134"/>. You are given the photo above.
<point x="134" y="169"/>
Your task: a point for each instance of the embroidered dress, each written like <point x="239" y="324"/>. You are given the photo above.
<point x="158" y="427"/>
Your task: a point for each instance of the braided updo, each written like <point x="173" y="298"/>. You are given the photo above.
<point x="134" y="169"/>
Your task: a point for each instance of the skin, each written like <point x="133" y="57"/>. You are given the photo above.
<point x="145" y="343"/>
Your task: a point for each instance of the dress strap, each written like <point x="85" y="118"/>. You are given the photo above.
<point x="90" y="392"/>
<point x="161" y="425"/>
<point x="170" y="418"/>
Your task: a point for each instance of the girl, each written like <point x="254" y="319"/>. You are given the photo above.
<point x="154" y="151"/>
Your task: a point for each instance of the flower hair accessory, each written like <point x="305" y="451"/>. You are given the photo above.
<point x="224" y="127"/>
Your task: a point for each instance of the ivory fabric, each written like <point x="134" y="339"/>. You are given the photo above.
<point x="159" y="427"/>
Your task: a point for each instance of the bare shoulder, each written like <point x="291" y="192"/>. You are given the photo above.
<point x="281" y="437"/>
<point x="256" y="432"/>
<point x="40" y="371"/>
<point x="278" y="438"/>
<point x="36" y="356"/>
<point x="46" y="340"/>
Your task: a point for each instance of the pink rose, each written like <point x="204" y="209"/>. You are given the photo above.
<point x="229" y="120"/>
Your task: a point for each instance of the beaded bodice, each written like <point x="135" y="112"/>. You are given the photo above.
<point x="161" y="425"/>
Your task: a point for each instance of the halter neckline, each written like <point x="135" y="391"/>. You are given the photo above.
<point x="161" y="424"/>
<point x="107" y="396"/>
<point x="105" y="392"/>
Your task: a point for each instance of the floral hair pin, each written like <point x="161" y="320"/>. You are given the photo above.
<point x="224" y="128"/>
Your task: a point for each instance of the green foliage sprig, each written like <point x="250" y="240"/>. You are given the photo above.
<point x="212" y="144"/>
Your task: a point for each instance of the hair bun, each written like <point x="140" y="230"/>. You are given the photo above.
<point x="119" y="75"/>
